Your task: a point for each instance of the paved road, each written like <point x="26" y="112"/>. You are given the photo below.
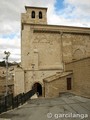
<point x="62" y="108"/>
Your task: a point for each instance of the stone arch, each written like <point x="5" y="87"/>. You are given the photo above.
<point x="38" y="88"/>
<point x="78" y="54"/>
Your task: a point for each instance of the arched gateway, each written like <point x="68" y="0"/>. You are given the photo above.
<point x="38" y="88"/>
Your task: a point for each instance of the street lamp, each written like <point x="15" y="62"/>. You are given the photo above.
<point x="6" y="62"/>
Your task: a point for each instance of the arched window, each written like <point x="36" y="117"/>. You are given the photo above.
<point x="33" y="14"/>
<point x="40" y="15"/>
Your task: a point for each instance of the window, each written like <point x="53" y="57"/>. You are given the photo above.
<point x="33" y="14"/>
<point x="40" y="15"/>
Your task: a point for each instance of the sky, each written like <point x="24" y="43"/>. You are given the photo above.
<point x="60" y="12"/>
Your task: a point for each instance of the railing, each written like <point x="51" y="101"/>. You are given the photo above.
<point x="9" y="102"/>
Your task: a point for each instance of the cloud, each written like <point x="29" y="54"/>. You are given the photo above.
<point x="11" y="45"/>
<point x="81" y="8"/>
<point x="73" y="12"/>
<point x="10" y="12"/>
<point x="10" y="18"/>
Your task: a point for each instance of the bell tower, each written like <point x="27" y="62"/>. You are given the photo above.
<point x="34" y="15"/>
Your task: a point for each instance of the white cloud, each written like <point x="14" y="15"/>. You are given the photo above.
<point x="82" y="8"/>
<point x="75" y="12"/>
<point x="11" y="45"/>
<point x="10" y="13"/>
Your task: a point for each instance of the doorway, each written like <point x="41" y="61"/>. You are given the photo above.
<point x="69" y="84"/>
<point x="38" y="88"/>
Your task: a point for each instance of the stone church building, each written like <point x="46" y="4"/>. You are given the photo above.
<point x="45" y="49"/>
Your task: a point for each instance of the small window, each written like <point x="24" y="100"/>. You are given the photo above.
<point x="33" y="14"/>
<point x="40" y="15"/>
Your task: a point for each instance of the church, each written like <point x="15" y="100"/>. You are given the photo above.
<point x="45" y="51"/>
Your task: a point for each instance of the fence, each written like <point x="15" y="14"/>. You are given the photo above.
<point x="9" y="102"/>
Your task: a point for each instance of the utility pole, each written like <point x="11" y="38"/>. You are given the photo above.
<point x="6" y="62"/>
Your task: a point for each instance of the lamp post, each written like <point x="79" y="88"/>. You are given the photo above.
<point x="6" y="62"/>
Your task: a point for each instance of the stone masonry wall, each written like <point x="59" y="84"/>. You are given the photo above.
<point x="81" y="76"/>
<point x="57" y="86"/>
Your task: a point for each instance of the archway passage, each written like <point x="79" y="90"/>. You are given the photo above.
<point x="38" y="88"/>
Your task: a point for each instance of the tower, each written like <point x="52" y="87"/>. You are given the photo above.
<point x="34" y="15"/>
<point x="40" y="48"/>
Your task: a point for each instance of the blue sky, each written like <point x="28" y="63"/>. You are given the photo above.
<point x="59" y="5"/>
<point x="10" y="36"/>
<point x="60" y="12"/>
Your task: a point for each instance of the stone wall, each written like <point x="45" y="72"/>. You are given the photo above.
<point x="19" y="85"/>
<point x="10" y="81"/>
<point x="32" y="77"/>
<point x="81" y="76"/>
<point x="27" y="17"/>
<point x="75" y="46"/>
<point x="49" y="47"/>
<point x="41" y="49"/>
<point x="56" y="86"/>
